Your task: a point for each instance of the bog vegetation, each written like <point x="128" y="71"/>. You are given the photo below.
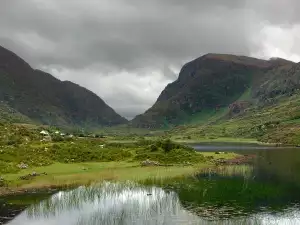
<point x="20" y="145"/>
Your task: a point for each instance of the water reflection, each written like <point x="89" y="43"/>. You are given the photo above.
<point x="265" y="192"/>
<point x="109" y="204"/>
<point x="130" y="204"/>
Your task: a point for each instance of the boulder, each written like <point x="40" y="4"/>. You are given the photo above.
<point x="22" y="166"/>
<point x="149" y="163"/>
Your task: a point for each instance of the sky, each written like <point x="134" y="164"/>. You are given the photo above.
<point x="127" y="51"/>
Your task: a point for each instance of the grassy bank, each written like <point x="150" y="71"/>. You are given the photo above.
<point x="66" y="175"/>
<point x="219" y="140"/>
<point x="271" y="123"/>
<point x="65" y="162"/>
<point x="63" y="175"/>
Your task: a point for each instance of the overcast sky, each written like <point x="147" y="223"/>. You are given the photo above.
<point x="127" y="51"/>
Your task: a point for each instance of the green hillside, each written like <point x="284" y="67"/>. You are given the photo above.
<point x="210" y="84"/>
<point x="45" y="99"/>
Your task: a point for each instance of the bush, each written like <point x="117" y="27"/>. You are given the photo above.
<point x="153" y="148"/>
<point x="166" y="151"/>
<point x="167" y="145"/>
<point x="57" y="138"/>
<point x="88" y="151"/>
<point x="14" y="141"/>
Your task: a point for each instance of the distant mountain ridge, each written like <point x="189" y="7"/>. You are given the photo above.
<point x="45" y="99"/>
<point x="214" y="81"/>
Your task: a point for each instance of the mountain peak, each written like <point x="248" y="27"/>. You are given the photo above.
<point x="45" y="99"/>
<point x="206" y="84"/>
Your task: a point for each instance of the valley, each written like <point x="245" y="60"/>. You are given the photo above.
<point x="54" y="142"/>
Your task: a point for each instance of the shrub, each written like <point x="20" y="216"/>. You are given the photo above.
<point x="57" y="138"/>
<point x="153" y="148"/>
<point x="167" y="145"/>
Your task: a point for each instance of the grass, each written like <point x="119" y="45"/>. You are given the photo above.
<point x="206" y="116"/>
<point x="225" y="155"/>
<point x="77" y="161"/>
<point x="69" y="175"/>
<point x="219" y="140"/>
<point x="270" y="123"/>
<point x="74" y="174"/>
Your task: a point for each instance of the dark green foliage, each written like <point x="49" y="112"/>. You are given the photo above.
<point x="57" y="138"/>
<point x="153" y="148"/>
<point x="167" y="145"/>
<point x="166" y="151"/>
<point x="87" y="151"/>
<point x="24" y="145"/>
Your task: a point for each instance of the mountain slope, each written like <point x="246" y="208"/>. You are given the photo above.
<point x="208" y="83"/>
<point x="273" y="118"/>
<point x="45" y="99"/>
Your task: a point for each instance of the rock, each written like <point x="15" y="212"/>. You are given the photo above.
<point x="34" y="174"/>
<point x="238" y="107"/>
<point x="25" y="177"/>
<point x="47" y="138"/>
<point x="22" y="166"/>
<point x="149" y="163"/>
<point x="31" y="175"/>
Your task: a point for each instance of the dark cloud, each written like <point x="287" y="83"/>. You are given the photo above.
<point x="124" y="35"/>
<point x="93" y="41"/>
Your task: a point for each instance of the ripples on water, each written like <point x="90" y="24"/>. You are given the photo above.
<point x="130" y="204"/>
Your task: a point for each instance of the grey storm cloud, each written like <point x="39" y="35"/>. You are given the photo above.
<point x="133" y="48"/>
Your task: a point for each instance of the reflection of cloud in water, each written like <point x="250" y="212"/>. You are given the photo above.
<point x="108" y="204"/>
<point x="125" y="204"/>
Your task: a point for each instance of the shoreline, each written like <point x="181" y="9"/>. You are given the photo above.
<point x="65" y="176"/>
<point x="52" y="183"/>
<point x="242" y="141"/>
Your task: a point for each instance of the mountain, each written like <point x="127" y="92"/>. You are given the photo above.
<point x="218" y="82"/>
<point x="40" y="97"/>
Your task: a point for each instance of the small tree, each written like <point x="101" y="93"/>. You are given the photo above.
<point x="167" y="145"/>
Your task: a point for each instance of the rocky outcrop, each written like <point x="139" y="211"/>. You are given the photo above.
<point x="238" y="107"/>
<point x="149" y="163"/>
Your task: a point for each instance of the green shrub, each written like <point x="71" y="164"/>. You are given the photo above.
<point x="6" y="167"/>
<point x="153" y="148"/>
<point x="57" y="138"/>
<point x="167" y="145"/>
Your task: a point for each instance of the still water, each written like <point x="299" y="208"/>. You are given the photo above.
<point x="264" y="193"/>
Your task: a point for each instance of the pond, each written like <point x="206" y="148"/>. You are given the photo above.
<point x="264" y="192"/>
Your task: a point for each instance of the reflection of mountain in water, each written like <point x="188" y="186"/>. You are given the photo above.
<point x="108" y="204"/>
<point x="280" y="166"/>
<point x="129" y="204"/>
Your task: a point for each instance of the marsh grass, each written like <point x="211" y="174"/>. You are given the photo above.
<point x="242" y="171"/>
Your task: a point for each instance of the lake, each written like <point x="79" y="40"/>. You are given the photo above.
<point x="264" y="192"/>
